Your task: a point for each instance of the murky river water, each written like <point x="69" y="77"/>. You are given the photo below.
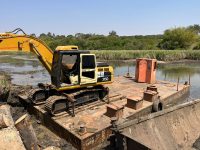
<point x="171" y="72"/>
<point x="27" y="70"/>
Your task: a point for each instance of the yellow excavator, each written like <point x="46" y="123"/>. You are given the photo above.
<point x="76" y="76"/>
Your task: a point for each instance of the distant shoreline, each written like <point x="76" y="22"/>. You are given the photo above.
<point x="160" y="55"/>
<point x="163" y="56"/>
<point x="159" y="62"/>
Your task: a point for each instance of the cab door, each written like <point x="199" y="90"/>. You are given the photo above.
<point x="88" y="69"/>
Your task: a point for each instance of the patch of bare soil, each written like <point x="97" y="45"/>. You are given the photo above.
<point x="17" y="108"/>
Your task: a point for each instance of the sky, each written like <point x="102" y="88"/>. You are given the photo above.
<point x="126" y="17"/>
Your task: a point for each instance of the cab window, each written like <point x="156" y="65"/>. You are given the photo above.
<point x="88" y="62"/>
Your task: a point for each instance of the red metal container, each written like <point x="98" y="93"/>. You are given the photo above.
<point x="145" y="70"/>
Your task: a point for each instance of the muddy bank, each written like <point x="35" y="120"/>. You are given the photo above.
<point x="9" y="93"/>
<point x="45" y="137"/>
<point x="5" y="83"/>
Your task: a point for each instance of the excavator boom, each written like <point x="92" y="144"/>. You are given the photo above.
<point x="10" y="41"/>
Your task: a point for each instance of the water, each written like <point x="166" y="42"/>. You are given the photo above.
<point x="169" y="72"/>
<point x="27" y="70"/>
<point x="24" y="69"/>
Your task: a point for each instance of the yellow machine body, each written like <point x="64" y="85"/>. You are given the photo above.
<point x="22" y="42"/>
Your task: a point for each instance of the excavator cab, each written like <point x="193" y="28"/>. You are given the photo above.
<point x="74" y="67"/>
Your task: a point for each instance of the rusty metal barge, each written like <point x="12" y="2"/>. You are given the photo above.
<point x="127" y="99"/>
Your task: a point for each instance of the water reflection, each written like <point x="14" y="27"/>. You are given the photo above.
<point x="117" y="64"/>
<point x="175" y="71"/>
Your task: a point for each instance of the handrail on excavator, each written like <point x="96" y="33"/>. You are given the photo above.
<point x="17" y="30"/>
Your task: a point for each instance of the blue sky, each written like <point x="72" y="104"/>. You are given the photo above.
<point x="126" y="17"/>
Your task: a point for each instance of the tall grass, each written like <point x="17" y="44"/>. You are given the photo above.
<point x="163" y="55"/>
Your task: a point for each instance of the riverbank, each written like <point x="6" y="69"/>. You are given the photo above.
<point x="5" y="82"/>
<point x="164" y="62"/>
<point x="161" y="55"/>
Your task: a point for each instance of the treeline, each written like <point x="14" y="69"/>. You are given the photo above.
<point x="102" y="42"/>
<point x="176" y="38"/>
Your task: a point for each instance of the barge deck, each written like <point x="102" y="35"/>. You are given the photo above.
<point x="91" y="124"/>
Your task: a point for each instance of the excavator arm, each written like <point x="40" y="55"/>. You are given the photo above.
<point x="11" y="41"/>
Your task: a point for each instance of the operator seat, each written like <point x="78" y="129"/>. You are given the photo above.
<point x="74" y="74"/>
<point x="70" y="73"/>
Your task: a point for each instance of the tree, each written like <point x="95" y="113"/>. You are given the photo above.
<point x="33" y="34"/>
<point x="113" y="33"/>
<point x="178" y="38"/>
<point x="195" y="28"/>
<point x="94" y="41"/>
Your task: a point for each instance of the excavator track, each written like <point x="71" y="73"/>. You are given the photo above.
<point x="57" y="105"/>
<point x="89" y="95"/>
<point x="37" y="96"/>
